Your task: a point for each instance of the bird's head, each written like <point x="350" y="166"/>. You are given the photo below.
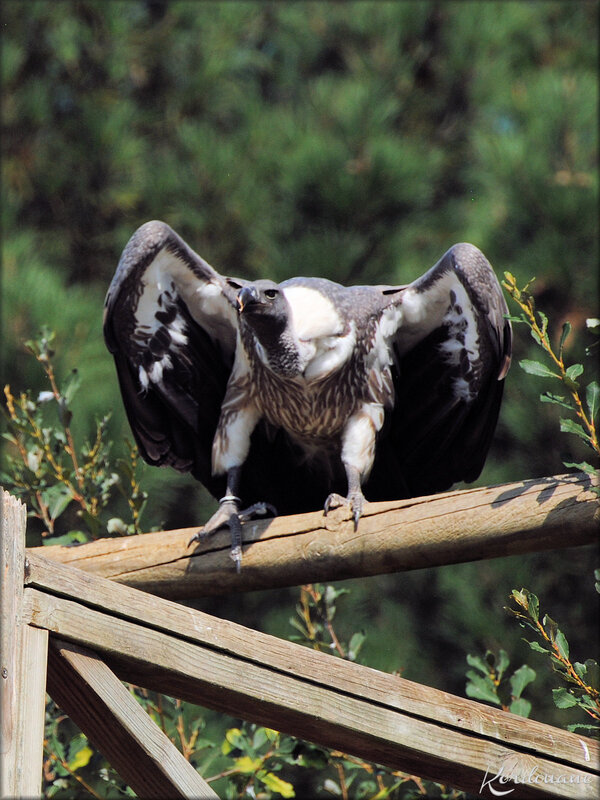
<point x="263" y="307"/>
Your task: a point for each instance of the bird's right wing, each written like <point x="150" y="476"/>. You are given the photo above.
<point x="171" y="324"/>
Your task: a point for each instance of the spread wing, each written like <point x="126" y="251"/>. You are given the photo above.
<point x="171" y="325"/>
<point x="450" y="346"/>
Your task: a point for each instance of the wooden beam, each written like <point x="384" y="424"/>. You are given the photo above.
<point x="98" y="703"/>
<point x="31" y="714"/>
<point x="315" y="696"/>
<point x="468" y="525"/>
<point x="22" y="665"/>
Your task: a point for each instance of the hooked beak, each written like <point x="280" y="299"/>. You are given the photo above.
<point x="246" y="296"/>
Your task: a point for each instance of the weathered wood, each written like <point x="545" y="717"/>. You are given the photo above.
<point x="22" y="667"/>
<point x="96" y="700"/>
<point x="31" y="712"/>
<point x="233" y="639"/>
<point x="467" y="525"/>
<point x="384" y="718"/>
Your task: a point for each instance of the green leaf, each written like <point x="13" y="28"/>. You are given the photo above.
<point x="512" y="318"/>
<point x="574" y="371"/>
<point x="537" y="647"/>
<point x="502" y="663"/>
<point x="520" y="679"/>
<point x="478" y="663"/>
<point x="260" y="737"/>
<point x="563" y="699"/>
<point x="569" y="426"/>
<point x="592" y="396"/>
<point x="580" y="669"/>
<point x="72" y="537"/>
<point x="57" y="498"/>
<point x="582" y="466"/>
<point x="537" y="368"/>
<point x="234" y="740"/>
<point x="566" y="330"/>
<point x="521" y="707"/>
<point x="557" y="399"/>
<point x="529" y="601"/>
<point x="562" y="644"/>
<point x="276" y="784"/>
<point x="356" y="642"/>
<point x="481" y="688"/>
<point x="578" y="726"/>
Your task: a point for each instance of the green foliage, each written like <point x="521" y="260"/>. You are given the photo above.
<point x="582" y="678"/>
<point x="46" y="470"/>
<point x="490" y="683"/>
<point x="586" y="415"/>
<point x="314" y="620"/>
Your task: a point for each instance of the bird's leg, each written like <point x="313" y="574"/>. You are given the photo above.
<point x="229" y="515"/>
<point x="355" y="498"/>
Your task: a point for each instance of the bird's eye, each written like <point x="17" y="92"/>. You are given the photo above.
<point x="271" y="293"/>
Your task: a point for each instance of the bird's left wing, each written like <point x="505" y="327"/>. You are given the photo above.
<point x="170" y="323"/>
<point x="450" y="345"/>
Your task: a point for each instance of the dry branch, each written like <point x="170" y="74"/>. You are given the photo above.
<point x="468" y="525"/>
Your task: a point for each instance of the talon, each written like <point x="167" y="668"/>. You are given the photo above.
<point x="262" y="509"/>
<point x="333" y="501"/>
<point x="236" y="556"/>
<point x="199" y="536"/>
<point x="228" y="516"/>
<point x="354" y="501"/>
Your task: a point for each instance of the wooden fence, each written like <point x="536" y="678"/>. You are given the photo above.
<point x="69" y="630"/>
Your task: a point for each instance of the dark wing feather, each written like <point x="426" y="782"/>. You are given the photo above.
<point x="451" y="351"/>
<point x="171" y="326"/>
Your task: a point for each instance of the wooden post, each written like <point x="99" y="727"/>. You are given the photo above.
<point x="468" y="525"/>
<point x="98" y="703"/>
<point x="23" y="665"/>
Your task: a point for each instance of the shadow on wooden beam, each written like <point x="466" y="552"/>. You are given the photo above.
<point x="467" y="525"/>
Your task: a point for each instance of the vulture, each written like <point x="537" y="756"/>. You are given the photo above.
<point x="304" y="394"/>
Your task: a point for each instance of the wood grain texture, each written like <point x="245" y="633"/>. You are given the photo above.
<point x="289" y="658"/>
<point x="22" y="665"/>
<point x="467" y="525"/>
<point x="311" y="695"/>
<point x="96" y="700"/>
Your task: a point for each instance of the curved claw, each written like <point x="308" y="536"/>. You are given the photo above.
<point x="257" y="509"/>
<point x="220" y="519"/>
<point x="355" y="501"/>
<point x="228" y="516"/>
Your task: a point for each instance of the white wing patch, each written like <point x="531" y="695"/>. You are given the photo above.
<point x="463" y="338"/>
<point x="204" y="299"/>
<point x="165" y="279"/>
